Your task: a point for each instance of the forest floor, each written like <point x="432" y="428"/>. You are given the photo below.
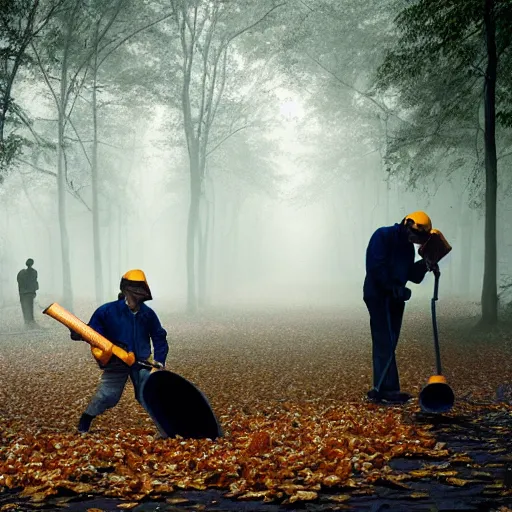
<point x="287" y="386"/>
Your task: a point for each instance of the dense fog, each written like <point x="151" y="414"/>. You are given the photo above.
<point x="297" y="155"/>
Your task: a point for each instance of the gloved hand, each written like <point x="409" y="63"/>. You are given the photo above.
<point x="74" y="335"/>
<point x="402" y="293"/>
<point x="158" y="366"/>
<point x="434" y="267"/>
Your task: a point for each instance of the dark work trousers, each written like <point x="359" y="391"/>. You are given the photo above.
<point x="112" y="383"/>
<point x="111" y="387"/>
<point x="27" y="307"/>
<point x="386" y="316"/>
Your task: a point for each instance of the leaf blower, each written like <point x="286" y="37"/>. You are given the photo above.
<point x="437" y="396"/>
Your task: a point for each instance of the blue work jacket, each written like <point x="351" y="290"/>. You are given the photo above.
<point x="132" y="331"/>
<point x="390" y="262"/>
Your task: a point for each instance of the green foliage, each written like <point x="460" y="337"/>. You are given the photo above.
<point x="434" y="75"/>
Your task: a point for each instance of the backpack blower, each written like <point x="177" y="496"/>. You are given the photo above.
<point x="437" y="396"/>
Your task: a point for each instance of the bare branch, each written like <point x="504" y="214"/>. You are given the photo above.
<point x="80" y="142"/>
<point x="226" y="138"/>
<point x="246" y="29"/>
<point x="213" y="111"/>
<point x="45" y="76"/>
<point x="349" y="86"/>
<point x="21" y="115"/>
<point x="37" y="168"/>
<point x="129" y="36"/>
<point x="505" y="155"/>
<point x="99" y="142"/>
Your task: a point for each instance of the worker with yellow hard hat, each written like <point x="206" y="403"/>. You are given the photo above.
<point x="390" y="264"/>
<point x="132" y="325"/>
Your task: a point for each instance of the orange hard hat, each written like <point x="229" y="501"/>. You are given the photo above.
<point x="420" y="221"/>
<point x="136" y="277"/>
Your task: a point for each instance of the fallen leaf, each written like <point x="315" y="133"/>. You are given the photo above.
<point x="254" y="495"/>
<point x="177" y="501"/>
<point x="459" y="482"/>
<point x="303" y="496"/>
<point x="339" y="498"/>
<point x="419" y="495"/>
<point x="482" y="474"/>
<point x="421" y="473"/>
<point x="447" y="473"/>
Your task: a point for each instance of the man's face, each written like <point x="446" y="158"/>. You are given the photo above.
<point x="416" y="237"/>
<point x="132" y="301"/>
<point x="135" y="295"/>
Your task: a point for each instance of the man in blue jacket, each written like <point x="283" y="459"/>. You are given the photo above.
<point x="389" y="265"/>
<point x="130" y="324"/>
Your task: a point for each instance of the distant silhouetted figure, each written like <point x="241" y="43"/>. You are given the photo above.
<point x="27" y="286"/>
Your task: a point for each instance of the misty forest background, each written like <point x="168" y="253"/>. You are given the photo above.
<point x="243" y="152"/>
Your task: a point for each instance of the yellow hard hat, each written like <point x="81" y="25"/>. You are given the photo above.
<point x="136" y="277"/>
<point x="420" y="221"/>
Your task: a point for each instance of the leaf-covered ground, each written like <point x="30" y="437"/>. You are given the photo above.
<point x="287" y="387"/>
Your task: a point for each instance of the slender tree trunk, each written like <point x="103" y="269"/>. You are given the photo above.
<point x="119" y="239"/>
<point x="193" y="219"/>
<point x="98" y="270"/>
<point x="67" y="290"/>
<point x="202" y="237"/>
<point x="210" y="272"/>
<point x="67" y="295"/>
<point x="109" y="248"/>
<point x="489" y="289"/>
<point x="235" y="219"/>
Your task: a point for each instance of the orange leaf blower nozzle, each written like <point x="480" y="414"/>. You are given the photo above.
<point x="95" y="339"/>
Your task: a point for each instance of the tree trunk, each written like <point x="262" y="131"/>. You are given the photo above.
<point x="202" y="237"/>
<point x="67" y="292"/>
<point x="233" y="271"/>
<point x="489" y="289"/>
<point x="109" y="247"/>
<point x="98" y="270"/>
<point x="210" y="271"/>
<point x="193" y="218"/>
<point x="119" y="241"/>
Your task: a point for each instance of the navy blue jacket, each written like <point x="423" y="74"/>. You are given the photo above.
<point x="116" y="322"/>
<point x="390" y="262"/>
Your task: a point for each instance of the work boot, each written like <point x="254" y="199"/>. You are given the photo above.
<point x="396" y="397"/>
<point x="85" y="423"/>
<point x="374" y="396"/>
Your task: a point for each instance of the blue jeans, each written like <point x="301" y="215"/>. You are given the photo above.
<point x="112" y="383"/>
<point x="386" y="314"/>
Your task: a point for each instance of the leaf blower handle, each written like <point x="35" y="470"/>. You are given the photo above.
<point x="151" y="365"/>
<point x="88" y="334"/>
<point x="434" y="323"/>
<point x="437" y="275"/>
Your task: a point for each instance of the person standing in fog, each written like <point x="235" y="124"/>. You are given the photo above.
<point x="27" y="287"/>
<point x="390" y="264"/>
